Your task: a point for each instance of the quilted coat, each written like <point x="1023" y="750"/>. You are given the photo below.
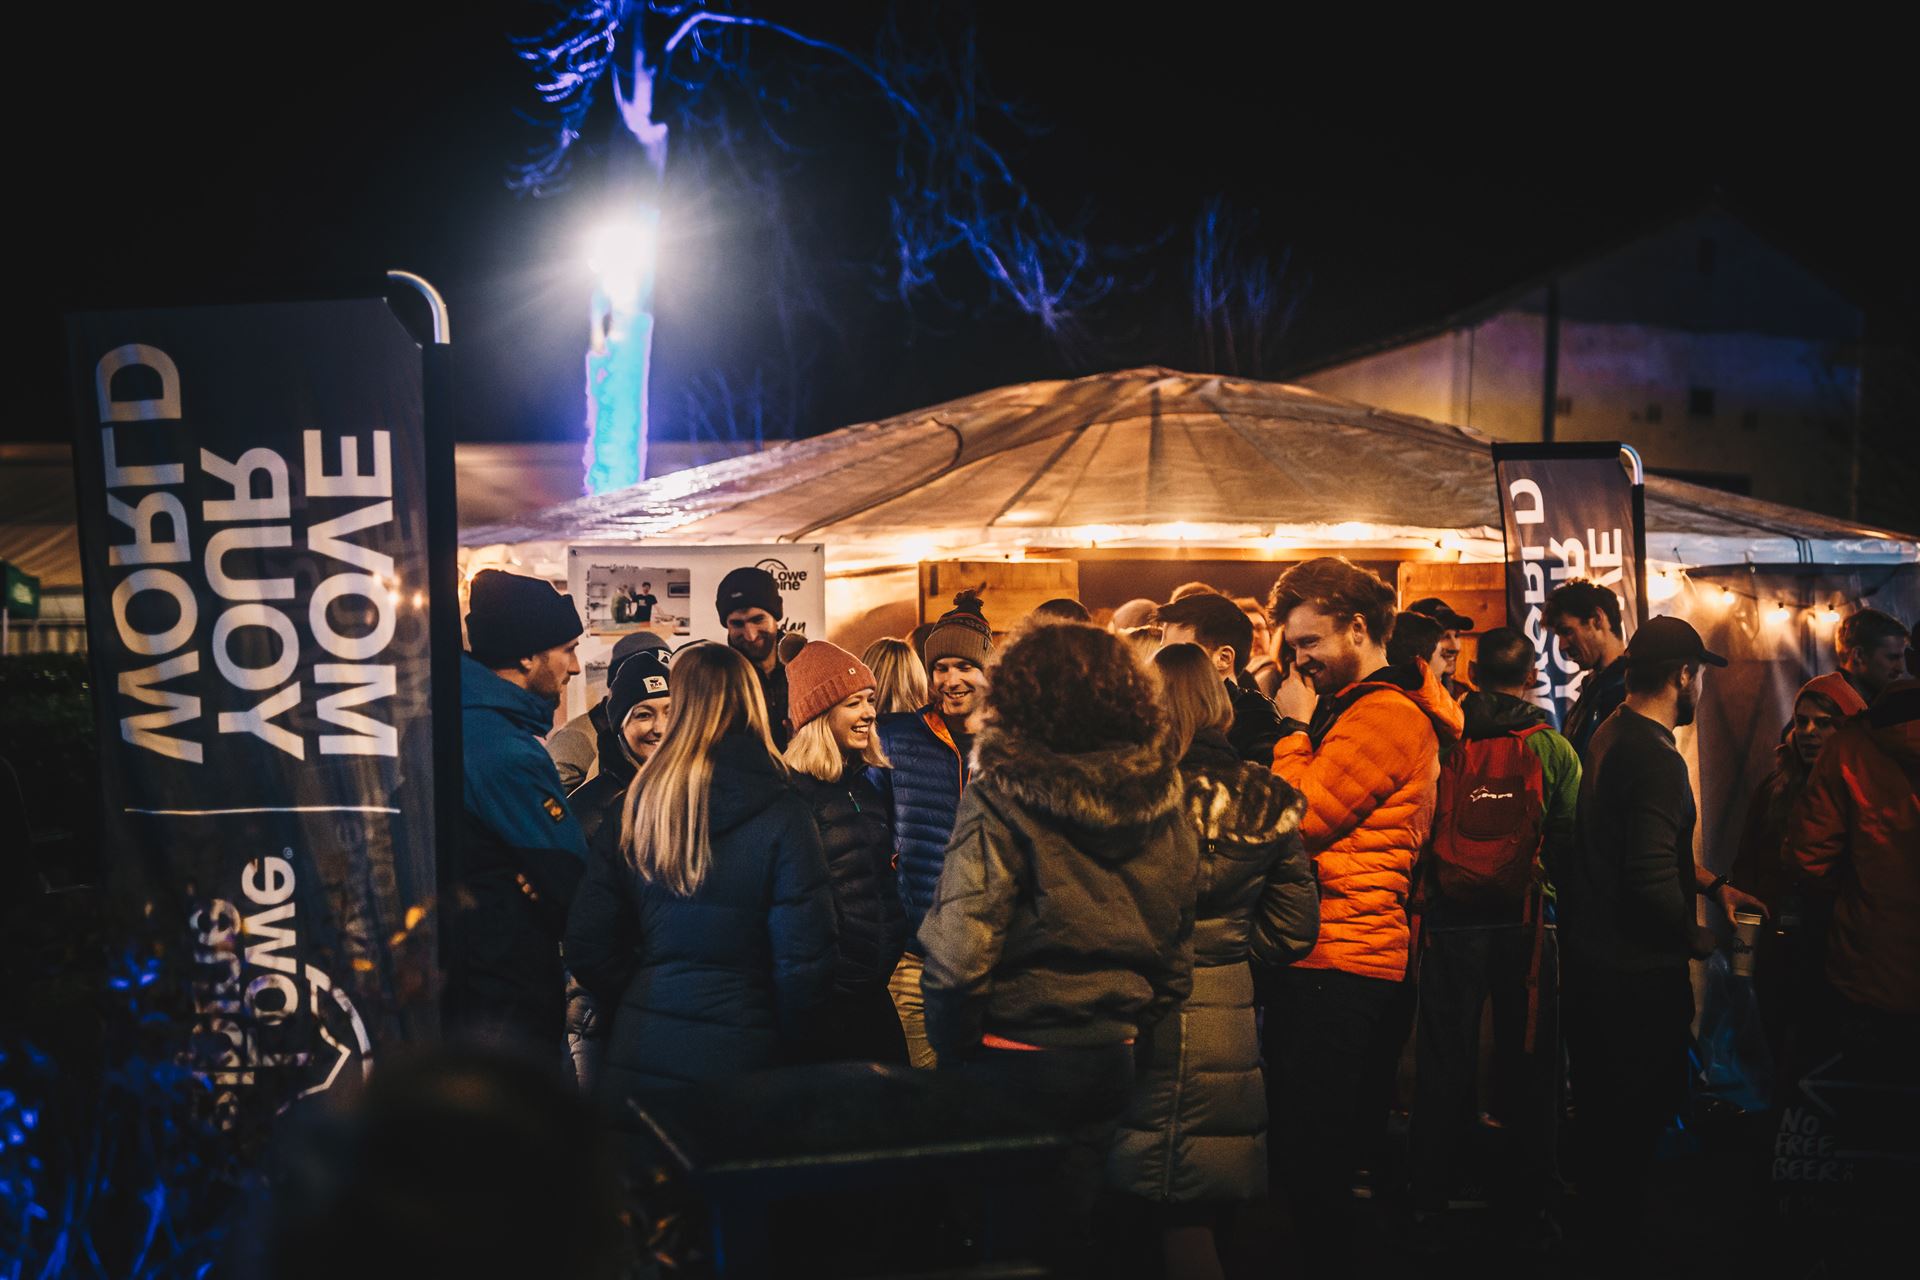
<point x="1063" y="916"/>
<point x="1196" y="1127"/>
<point x="728" y="979"/>
<point x="1858" y="823"/>
<point x="1369" y="767"/>
<point x="922" y="793"/>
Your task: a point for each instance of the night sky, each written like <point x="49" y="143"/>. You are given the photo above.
<point x="187" y="153"/>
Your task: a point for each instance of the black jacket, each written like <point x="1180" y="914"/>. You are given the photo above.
<point x="726" y="980"/>
<point x="1625" y="893"/>
<point x="598" y="801"/>
<point x="1256" y="725"/>
<point x="1064" y="911"/>
<point x="852" y="819"/>
<point x="1599" y="698"/>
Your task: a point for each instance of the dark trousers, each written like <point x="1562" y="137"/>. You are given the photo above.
<point x="1081" y="1093"/>
<point x="1460" y="970"/>
<point x="1627" y="1034"/>
<point x="1325" y="1035"/>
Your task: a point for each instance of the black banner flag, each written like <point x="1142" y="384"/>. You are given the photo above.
<point x="253" y="519"/>
<point x="1567" y="511"/>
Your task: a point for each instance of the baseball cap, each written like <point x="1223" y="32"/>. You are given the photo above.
<point x="1670" y="640"/>
<point x="1441" y="612"/>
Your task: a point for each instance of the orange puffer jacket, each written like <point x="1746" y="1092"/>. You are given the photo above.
<point x="1369" y="786"/>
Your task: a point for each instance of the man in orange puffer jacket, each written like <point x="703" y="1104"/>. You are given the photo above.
<point x="1368" y="765"/>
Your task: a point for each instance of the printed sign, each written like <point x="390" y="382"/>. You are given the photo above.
<point x="685" y="582"/>
<point x="1567" y="511"/>
<point x="253" y="529"/>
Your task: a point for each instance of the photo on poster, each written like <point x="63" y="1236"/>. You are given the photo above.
<point x="626" y="595"/>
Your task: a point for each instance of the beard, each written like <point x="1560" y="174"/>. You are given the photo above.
<point x="754" y="649"/>
<point x="1685" y="708"/>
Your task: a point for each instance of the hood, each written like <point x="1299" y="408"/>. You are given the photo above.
<point x="1227" y="795"/>
<point x="481" y="690"/>
<point x="1894" y="722"/>
<point x="1107" y="797"/>
<point x="1838" y="690"/>
<point x="1488" y="715"/>
<point x="746" y="781"/>
<point x="1421" y="683"/>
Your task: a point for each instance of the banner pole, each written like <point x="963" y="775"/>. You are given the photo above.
<point x="1630" y="456"/>
<point x="443" y="607"/>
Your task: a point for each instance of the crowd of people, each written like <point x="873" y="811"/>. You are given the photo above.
<point x="1192" y="881"/>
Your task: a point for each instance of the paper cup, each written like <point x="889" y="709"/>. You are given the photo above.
<point x="1746" y="935"/>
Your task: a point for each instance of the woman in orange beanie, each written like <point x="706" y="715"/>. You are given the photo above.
<point x="830" y="700"/>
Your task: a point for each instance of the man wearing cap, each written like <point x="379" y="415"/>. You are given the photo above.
<point x="1625" y="900"/>
<point x="1225" y="635"/>
<point x="583" y="745"/>
<point x="1453" y="625"/>
<point x="750" y="609"/>
<point x="521" y="853"/>
<point x="932" y="754"/>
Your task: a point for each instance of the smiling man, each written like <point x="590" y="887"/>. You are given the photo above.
<point x="1368" y="766"/>
<point x="932" y="751"/>
<point x="1585" y="617"/>
<point x="750" y="609"/>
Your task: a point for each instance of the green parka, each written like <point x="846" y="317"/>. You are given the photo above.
<point x="1064" y="910"/>
<point x="1196" y="1128"/>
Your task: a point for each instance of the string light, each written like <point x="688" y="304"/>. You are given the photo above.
<point x="1778" y="614"/>
<point x="1829" y="616"/>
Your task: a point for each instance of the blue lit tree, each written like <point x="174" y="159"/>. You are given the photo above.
<point x="955" y="200"/>
<point x="1243" y="302"/>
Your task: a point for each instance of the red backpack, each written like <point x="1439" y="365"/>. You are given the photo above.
<point x="1488" y="822"/>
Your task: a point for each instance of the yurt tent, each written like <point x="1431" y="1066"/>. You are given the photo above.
<point x="1145" y="478"/>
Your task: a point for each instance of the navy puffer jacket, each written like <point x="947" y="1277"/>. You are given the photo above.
<point x="922" y="791"/>
<point x="866" y="897"/>
<point x="728" y="979"/>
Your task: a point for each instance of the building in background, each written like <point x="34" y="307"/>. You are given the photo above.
<point x="1722" y="358"/>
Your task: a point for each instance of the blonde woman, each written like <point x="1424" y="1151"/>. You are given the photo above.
<point x="900" y="681"/>
<point x="710" y="934"/>
<point x="830" y="699"/>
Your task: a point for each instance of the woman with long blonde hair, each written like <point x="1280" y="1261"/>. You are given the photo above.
<point x="710" y="933"/>
<point x="899" y="679"/>
<point x="831" y="704"/>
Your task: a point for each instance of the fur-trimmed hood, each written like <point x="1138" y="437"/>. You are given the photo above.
<point x="1233" y="802"/>
<point x="1108" y="796"/>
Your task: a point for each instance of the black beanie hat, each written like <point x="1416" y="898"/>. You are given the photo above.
<point x="642" y="676"/>
<point x="510" y="617"/>
<point x="748" y="588"/>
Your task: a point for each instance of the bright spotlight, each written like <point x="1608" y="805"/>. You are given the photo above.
<point x="622" y="253"/>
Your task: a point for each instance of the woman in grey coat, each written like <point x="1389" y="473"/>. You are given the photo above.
<point x="1193" y="1141"/>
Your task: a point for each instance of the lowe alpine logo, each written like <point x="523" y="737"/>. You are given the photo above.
<point x="787" y="579"/>
<point x="1481" y="795"/>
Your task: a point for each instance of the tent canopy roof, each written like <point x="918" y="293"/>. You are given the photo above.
<point x="1143" y="457"/>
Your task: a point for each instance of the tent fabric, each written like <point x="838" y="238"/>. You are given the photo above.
<point x="1143" y="457"/>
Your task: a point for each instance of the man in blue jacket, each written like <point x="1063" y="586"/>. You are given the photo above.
<point x="931" y="750"/>
<point x="520" y="853"/>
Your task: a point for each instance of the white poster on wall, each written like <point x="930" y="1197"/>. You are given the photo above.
<point x="671" y="591"/>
